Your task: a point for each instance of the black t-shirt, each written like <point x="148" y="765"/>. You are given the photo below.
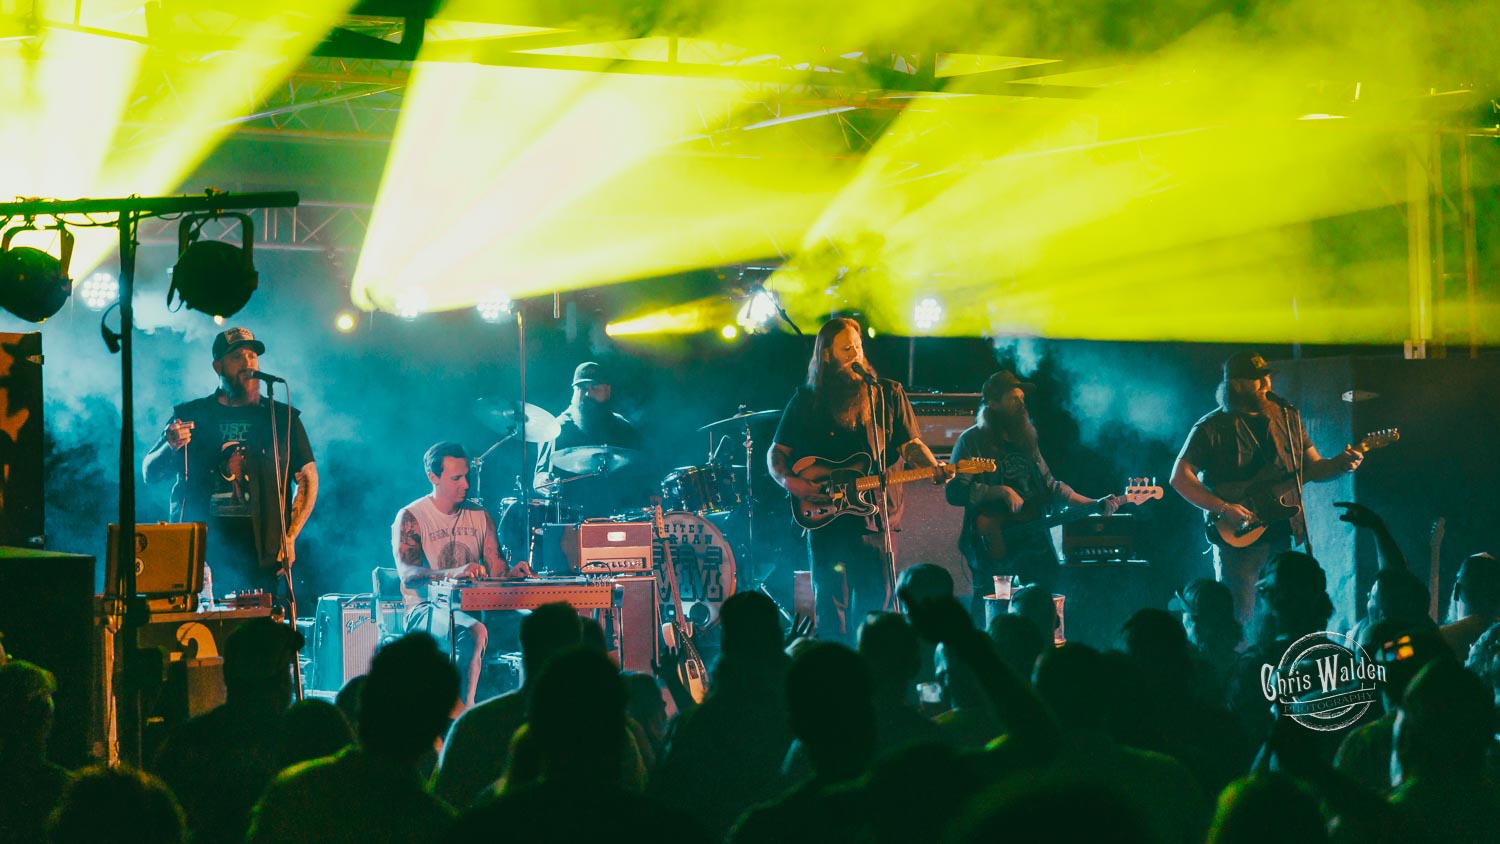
<point x="1229" y="447"/>
<point x="230" y="477"/>
<point x="606" y="494"/>
<point x="810" y="431"/>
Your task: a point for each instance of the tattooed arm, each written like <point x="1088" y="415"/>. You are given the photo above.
<point x="302" y="507"/>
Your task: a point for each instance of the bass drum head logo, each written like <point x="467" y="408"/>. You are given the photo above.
<point x="1325" y="681"/>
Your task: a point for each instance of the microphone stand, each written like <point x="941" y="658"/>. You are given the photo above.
<point x="887" y="551"/>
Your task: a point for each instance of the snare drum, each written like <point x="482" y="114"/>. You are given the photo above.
<point x="704" y="563"/>
<point x="701" y="489"/>
<point x="511" y="524"/>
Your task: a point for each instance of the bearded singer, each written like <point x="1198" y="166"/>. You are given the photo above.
<point x="1022" y="487"/>
<point x="834" y="416"/>
<point x="1251" y="432"/>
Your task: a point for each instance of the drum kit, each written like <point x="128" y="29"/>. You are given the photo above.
<point x="698" y="500"/>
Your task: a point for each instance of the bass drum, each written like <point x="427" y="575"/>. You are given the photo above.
<point x="704" y="563"/>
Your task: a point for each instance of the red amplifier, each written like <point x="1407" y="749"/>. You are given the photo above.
<point x="604" y="547"/>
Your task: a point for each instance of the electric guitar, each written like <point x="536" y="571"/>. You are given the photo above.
<point x="1272" y="495"/>
<point x="852" y="490"/>
<point x="994" y="522"/>
<point x="690" y="667"/>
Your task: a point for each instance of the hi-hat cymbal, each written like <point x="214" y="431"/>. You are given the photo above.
<point x="499" y="415"/>
<point x="743" y="416"/>
<point x="586" y="459"/>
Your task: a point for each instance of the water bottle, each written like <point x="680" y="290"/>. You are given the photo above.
<point x="206" y="597"/>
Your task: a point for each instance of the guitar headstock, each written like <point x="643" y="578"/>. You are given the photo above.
<point x="657" y="521"/>
<point x="974" y="466"/>
<point x="1139" y="490"/>
<point x="1379" y="439"/>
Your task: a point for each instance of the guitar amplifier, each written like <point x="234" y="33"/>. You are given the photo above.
<point x="602" y="547"/>
<point x="1098" y="539"/>
<point x="344" y="641"/>
<point x="168" y="563"/>
<point x="941" y="417"/>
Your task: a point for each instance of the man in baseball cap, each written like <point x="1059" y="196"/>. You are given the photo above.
<point x="590" y="421"/>
<point x="227" y="467"/>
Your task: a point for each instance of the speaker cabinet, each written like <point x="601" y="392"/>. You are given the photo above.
<point x="47" y="617"/>
<point x="344" y="641"/>
<point x="929" y="534"/>
<point x="636" y="623"/>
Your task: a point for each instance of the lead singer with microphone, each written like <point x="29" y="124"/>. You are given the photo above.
<point x="233" y="457"/>
<point x="844" y="409"/>
<point x="1254" y="436"/>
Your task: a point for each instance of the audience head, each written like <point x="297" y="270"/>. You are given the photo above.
<point x="644" y="703"/>
<point x="891" y="647"/>
<point x="102" y="802"/>
<point x="1291" y="597"/>
<point x="830" y="709"/>
<point x="258" y="659"/>
<point x="1018" y="641"/>
<point x="925" y="581"/>
<point x="545" y="631"/>
<point x="1035" y="603"/>
<point x="1484" y="659"/>
<point x="1403" y="650"/>
<point x="1445" y="725"/>
<point x="26" y="692"/>
<point x="1249" y="807"/>
<point x="347" y="700"/>
<point x="1050" y="808"/>
<point x="750" y="625"/>
<point x="1477" y="590"/>
<point x="576" y="717"/>
<point x="311" y="729"/>
<point x="1398" y="595"/>
<point x="407" y="699"/>
<point x="1067" y="680"/>
<point x="1208" y="618"/>
<point x="1156" y="642"/>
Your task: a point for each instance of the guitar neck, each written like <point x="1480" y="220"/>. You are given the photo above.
<point x="902" y="476"/>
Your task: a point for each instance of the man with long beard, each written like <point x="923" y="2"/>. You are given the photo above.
<point x="1253" y="431"/>
<point x="833" y="416"/>
<point x="1022" y="488"/>
<point x="590" y="420"/>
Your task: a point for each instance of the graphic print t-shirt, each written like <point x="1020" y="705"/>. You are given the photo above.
<point x="449" y="540"/>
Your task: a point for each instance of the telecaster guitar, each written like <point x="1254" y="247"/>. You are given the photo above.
<point x="853" y="491"/>
<point x="993" y="523"/>
<point x="691" y="669"/>
<point x="1272" y="496"/>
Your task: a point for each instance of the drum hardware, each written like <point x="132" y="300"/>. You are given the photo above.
<point x="597" y="459"/>
<point x="501" y="417"/>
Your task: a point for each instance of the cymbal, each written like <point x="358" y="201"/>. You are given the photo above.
<point x="499" y="415"/>
<point x="585" y="459"/>
<point x="745" y="416"/>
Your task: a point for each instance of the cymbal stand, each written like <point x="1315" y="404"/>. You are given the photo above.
<point x="751" y="574"/>
<point x="479" y="465"/>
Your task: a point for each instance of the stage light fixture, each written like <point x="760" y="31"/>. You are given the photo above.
<point x="494" y="308"/>
<point x="928" y="313"/>
<point x="729" y="332"/>
<point x="99" y="291"/>
<point x="870" y="332"/>
<point x="34" y="284"/>
<point x="344" y="322"/>
<point x="759" y="312"/>
<point x="212" y="276"/>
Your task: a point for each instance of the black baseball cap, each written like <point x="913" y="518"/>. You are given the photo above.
<point x="590" y="372"/>
<point x="233" y="338"/>
<point x="1002" y="382"/>
<point x="1293" y="570"/>
<point x="1246" y="364"/>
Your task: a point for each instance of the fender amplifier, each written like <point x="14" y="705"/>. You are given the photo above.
<point x="344" y="641"/>
<point x="168" y="563"/>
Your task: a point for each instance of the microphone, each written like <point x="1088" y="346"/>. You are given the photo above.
<point x="864" y="374"/>
<point x="266" y="377"/>
<point x="1277" y="399"/>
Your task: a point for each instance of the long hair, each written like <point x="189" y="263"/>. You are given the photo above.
<point x="845" y="402"/>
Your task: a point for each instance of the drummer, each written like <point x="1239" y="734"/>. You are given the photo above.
<point x="589" y="423"/>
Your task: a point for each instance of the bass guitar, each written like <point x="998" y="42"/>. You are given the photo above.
<point x="853" y="491"/>
<point x="1272" y="495"/>
<point x="691" y="669"/>
<point x="994" y="522"/>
